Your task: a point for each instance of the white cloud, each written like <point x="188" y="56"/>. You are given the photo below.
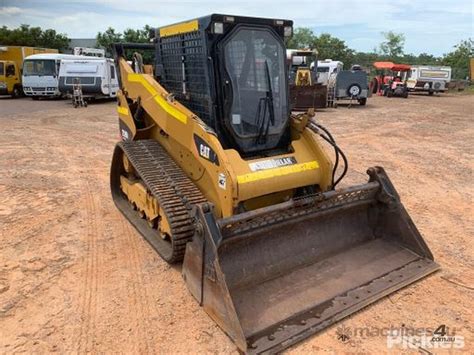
<point x="434" y="24"/>
<point x="10" y="11"/>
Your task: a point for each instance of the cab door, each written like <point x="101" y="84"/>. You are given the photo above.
<point x="12" y="76"/>
<point x="113" y="81"/>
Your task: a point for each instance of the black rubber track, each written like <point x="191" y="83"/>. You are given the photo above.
<point x="167" y="182"/>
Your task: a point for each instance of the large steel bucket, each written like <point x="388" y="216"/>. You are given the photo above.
<point x="303" y="98"/>
<point x="273" y="276"/>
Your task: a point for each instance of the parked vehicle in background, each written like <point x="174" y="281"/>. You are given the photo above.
<point x="97" y="77"/>
<point x="327" y="68"/>
<point x="391" y="79"/>
<point x="342" y="84"/>
<point x="352" y="85"/>
<point x="41" y="73"/>
<point x="430" y="79"/>
<point x="90" y="52"/>
<point x="11" y="64"/>
<point x="305" y="91"/>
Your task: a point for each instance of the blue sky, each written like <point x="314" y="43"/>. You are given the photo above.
<point x="431" y="26"/>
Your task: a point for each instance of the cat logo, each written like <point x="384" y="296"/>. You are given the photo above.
<point x="204" y="151"/>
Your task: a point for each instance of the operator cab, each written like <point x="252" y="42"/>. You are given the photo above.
<point x="241" y="88"/>
<point x="253" y="76"/>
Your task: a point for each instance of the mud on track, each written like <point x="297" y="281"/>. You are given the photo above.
<point x="76" y="277"/>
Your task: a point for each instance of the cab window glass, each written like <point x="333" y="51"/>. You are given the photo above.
<point x="255" y="64"/>
<point x="10" y="70"/>
<point x="39" y="67"/>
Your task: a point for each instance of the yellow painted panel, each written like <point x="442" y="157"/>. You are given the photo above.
<point x="271" y="173"/>
<point x="179" y="28"/>
<point x="471" y="62"/>
<point x="122" y="110"/>
<point x="169" y="108"/>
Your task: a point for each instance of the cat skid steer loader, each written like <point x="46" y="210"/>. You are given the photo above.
<point x="214" y="169"/>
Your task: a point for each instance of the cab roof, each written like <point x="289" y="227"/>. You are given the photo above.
<point x="45" y="56"/>
<point x="392" y="66"/>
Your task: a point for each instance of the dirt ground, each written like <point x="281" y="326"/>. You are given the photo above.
<point x="76" y="277"/>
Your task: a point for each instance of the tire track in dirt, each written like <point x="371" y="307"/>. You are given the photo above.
<point x="138" y="297"/>
<point x="88" y="299"/>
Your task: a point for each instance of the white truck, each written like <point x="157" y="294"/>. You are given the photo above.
<point x="429" y="79"/>
<point x="96" y="76"/>
<point x="40" y="76"/>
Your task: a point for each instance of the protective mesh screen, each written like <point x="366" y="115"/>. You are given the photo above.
<point x="185" y="72"/>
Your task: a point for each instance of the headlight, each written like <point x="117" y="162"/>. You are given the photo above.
<point x="218" y="28"/>
<point x="426" y="86"/>
<point x="3" y="85"/>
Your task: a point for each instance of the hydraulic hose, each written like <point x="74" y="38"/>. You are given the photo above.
<point x="344" y="158"/>
<point x="316" y="128"/>
<point x="336" y="152"/>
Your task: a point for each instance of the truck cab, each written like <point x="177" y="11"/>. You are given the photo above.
<point x="10" y="78"/>
<point x="11" y="67"/>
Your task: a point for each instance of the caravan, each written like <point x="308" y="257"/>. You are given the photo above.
<point x="327" y="69"/>
<point x="52" y="75"/>
<point x="96" y="76"/>
<point x="41" y="74"/>
<point x="430" y="79"/>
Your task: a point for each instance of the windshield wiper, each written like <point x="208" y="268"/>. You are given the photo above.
<point x="270" y="94"/>
<point x="265" y="124"/>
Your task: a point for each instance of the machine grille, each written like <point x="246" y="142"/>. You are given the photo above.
<point x="185" y="71"/>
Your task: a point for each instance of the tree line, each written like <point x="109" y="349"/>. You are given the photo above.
<point x="33" y="37"/>
<point x="328" y="46"/>
<point x="391" y="49"/>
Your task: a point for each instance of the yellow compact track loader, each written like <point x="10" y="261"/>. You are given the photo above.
<point x="214" y="168"/>
<point x="304" y="89"/>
